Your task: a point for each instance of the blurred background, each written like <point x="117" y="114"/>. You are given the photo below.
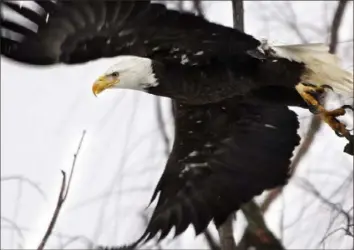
<point x="128" y="137"/>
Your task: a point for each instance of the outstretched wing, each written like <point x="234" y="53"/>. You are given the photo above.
<point x="224" y="154"/>
<point x="80" y="31"/>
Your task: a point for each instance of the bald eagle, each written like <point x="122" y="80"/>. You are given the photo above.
<point x="234" y="133"/>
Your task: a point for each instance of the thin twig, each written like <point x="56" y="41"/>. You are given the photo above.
<point x="316" y="123"/>
<point x="59" y="236"/>
<point x="26" y="180"/>
<point x="337" y="20"/>
<point x="74" y="163"/>
<point x="55" y="214"/>
<point x="64" y="190"/>
<point x="17" y="207"/>
<point x="316" y="193"/>
<point x="293" y="23"/>
<point x="15" y="227"/>
<point x="161" y="126"/>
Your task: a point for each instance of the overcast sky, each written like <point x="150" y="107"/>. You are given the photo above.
<point x="45" y="110"/>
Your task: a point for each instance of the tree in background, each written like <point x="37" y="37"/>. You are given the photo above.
<point x="335" y="203"/>
<point x="257" y="234"/>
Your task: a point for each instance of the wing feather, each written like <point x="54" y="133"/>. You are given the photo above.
<point x="25" y="12"/>
<point x="79" y="31"/>
<point x="238" y="150"/>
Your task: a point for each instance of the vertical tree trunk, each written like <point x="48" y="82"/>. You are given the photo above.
<point x="226" y="232"/>
<point x="237" y="14"/>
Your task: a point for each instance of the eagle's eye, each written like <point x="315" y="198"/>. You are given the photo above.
<point x="115" y="74"/>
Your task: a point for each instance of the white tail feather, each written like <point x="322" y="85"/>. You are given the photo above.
<point x="322" y="66"/>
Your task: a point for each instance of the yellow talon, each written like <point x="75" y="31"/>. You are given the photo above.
<point x="308" y="93"/>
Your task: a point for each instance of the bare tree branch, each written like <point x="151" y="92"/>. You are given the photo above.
<point x="15" y="227"/>
<point x="337" y="20"/>
<point x="64" y="190"/>
<point x="308" y="186"/>
<point x="26" y="180"/>
<point x="226" y="234"/>
<point x="180" y="5"/>
<point x="66" y="238"/>
<point x="293" y="23"/>
<point x="89" y="244"/>
<point x="272" y="195"/>
<point x="237" y="14"/>
<point x="198" y="8"/>
<point x="74" y="163"/>
<point x="162" y="126"/>
<point x="313" y="128"/>
<point x="197" y="5"/>
<point x="213" y="245"/>
<point x="257" y="233"/>
<point x="256" y="224"/>
<point x="56" y="213"/>
<point x="316" y="123"/>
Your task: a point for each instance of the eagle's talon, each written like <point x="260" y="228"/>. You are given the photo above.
<point x="307" y="84"/>
<point x="316" y="95"/>
<point x="311" y="96"/>
<point x="312" y="88"/>
<point x="316" y="92"/>
<point x="347" y="107"/>
<point x="338" y="127"/>
<point x="313" y="109"/>
<point x="325" y="86"/>
<point x="338" y="134"/>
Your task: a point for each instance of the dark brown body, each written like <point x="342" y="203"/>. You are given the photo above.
<point x="234" y="134"/>
<point x="230" y="77"/>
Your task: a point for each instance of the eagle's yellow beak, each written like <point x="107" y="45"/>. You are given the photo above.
<point x="104" y="82"/>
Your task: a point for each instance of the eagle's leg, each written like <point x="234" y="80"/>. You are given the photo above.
<point x="330" y="118"/>
<point x="312" y="95"/>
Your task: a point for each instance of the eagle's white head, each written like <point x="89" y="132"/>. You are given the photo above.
<point x="130" y="72"/>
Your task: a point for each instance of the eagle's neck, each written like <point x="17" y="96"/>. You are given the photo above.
<point x="171" y="81"/>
